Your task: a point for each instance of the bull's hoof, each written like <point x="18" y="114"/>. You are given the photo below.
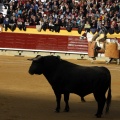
<point x="98" y="115"/>
<point x="57" y="110"/>
<point x="83" y="100"/>
<point x="107" y="110"/>
<point x="66" y="110"/>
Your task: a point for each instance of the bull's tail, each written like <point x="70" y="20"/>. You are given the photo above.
<point x="109" y="96"/>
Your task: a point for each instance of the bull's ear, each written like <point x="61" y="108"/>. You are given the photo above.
<point x="37" y="56"/>
<point x="58" y="56"/>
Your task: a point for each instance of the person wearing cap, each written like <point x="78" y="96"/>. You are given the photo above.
<point x="100" y="36"/>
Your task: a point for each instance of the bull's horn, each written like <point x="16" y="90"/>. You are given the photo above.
<point x="30" y="59"/>
<point x="36" y="58"/>
<point x="58" y="56"/>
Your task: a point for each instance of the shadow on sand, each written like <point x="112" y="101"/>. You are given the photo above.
<point x="42" y="108"/>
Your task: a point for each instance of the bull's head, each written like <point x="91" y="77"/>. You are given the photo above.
<point x="36" y="66"/>
<point x="44" y="64"/>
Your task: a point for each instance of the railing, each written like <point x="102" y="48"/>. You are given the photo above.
<point x="32" y="40"/>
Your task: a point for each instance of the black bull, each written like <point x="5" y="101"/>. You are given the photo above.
<point x="66" y="78"/>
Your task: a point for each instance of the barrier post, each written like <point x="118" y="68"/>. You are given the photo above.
<point x="1" y="28"/>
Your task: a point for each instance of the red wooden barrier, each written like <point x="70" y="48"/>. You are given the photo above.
<point x="43" y="42"/>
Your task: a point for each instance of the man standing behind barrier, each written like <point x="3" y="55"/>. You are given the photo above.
<point x="100" y="37"/>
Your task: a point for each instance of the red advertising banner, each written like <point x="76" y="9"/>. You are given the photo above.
<point x="43" y="42"/>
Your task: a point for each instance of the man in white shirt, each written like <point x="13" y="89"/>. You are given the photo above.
<point x="89" y="36"/>
<point x="100" y="36"/>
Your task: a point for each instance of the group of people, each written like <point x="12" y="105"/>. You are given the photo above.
<point x="91" y="15"/>
<point x="69" y="14"/>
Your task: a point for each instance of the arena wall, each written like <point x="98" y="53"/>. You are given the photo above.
<point x="31" y="42"/>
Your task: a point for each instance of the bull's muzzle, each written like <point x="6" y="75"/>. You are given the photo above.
<point x="30" y="72"/>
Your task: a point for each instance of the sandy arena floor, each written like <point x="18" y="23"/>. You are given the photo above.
<point x="26" y="97"/>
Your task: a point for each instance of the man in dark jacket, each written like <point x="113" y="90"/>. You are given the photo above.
<point x="6" y="23"/>
<point x="12" y="23"/>
<point x="1" y="18"/>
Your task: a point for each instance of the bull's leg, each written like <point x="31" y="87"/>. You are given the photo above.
<point x="58" y="99"/>
<point x="66" y="99"/>
<point x="82" y="99"/>
<point x="101" y="103"/>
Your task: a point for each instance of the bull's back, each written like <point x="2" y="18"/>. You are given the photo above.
<point x="77" y="72"/>
<point x="77" y="78"/>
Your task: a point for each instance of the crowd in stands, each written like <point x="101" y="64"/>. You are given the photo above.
<point x="57" y="14"/>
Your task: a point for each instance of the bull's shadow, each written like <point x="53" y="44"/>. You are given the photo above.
<point x="42" y="107"/>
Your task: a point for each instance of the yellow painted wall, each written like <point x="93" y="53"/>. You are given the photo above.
<point x="62" y="32"/>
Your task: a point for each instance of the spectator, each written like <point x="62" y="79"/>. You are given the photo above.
<point x="39" y="26"/>
<point x="46" y="25"/>
<point x="35" y="6"/>
<point x="62" y="23"/>
<point x="93" y="26"/>
<point x="1" y="18"/>
<point x="31" y="12"/>
<point x="16" y="13"/>
<point x="27" y="22"/>
<point x="87" y="26"/>
<point x="57" y="25"/>
<point x="69" y="25"/>
<point x="107" y="7"/>
<point x="12" y="23"/>
<point x="27" y="5"/>
<point x="97" y="14"/>
<point x="10" y="11"/>
<point x="33" y="20"/>
<point x="74" y="23"/>
<point x="20" y="22"/>
<point x="6" y="23"/>
<point x="114" y="23"/>
<point x="107" y="21"/>
<point x="19" y="11"/>
<point x="99" y="24"/>
<point x="45" y="17"/>
<point x="93" y="11"/>
<point x="51" y="25"/>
